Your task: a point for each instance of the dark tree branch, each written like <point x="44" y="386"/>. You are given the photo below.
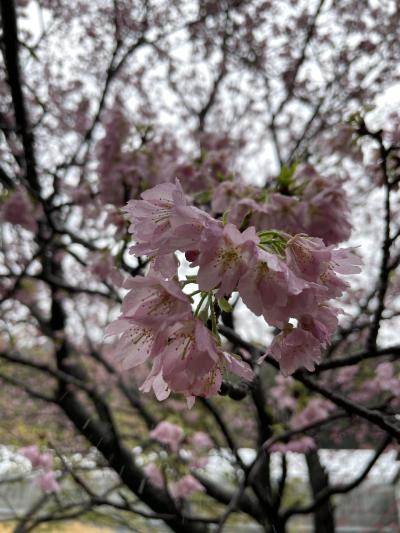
<point x="326" y="493"/>
<point x="351" y="407"/>
<point x="324" y="520"/>
<point x="10" y="40"/>
<point x="209" y="405"/>
<point x="127" y="390"/>
<point x="340" y="362"/>
<point x="384" y="269"/>
<point x="121" y="461"/>
<point x="307" y="40"/>
<point x="246" y="502"/>
<point x="304" y="377"/>
<point x="5" y="179"/>
<point x="26" y="388"/>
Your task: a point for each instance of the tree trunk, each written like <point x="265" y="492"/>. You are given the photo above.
<point x="324" y="520"/>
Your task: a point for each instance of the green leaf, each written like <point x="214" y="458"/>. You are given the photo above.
<point x="203" y="197"/>
<point x="224" y="305"/>
<point x="203" y="315"/>
<point x="246" y="220"/>
<point x="285" y="179"/>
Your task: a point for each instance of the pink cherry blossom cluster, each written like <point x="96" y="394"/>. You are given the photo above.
<point x="124" y="170"/>
<point x="385" y="382"/>
<point x="42" y="464"/>
<point x="157" y="324"/>
<point x="317" y="409"/>
<point x="288" y="279"/>
<point x="173" y="436"/>
<point x="180" y="490"/>
<point x="18" y="208"/>
<point x="310" y="204"/>
<point x="297" y="415"/>
<point x="169" y="434"/>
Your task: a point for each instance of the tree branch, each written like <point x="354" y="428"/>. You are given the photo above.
<point x="339" y="489"/>
<point x="10" y="40"/>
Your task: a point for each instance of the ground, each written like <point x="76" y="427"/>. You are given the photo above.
<point x="70" y="527"/>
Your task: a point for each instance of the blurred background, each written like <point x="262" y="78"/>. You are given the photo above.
<point x="239" y="100"/>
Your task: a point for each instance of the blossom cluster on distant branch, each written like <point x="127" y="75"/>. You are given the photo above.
<point x="42" y="465"/>
<point x="172" y="437"/>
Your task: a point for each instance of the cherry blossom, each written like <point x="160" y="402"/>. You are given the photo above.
<point x="153" y="299"/>
<point x="317" y="409"/>
<point x="185" y="487"/>
<point x="281" y="393"/>
<point x="36" y="458"/>
<point x="150" y="304"/>
<point x="151" y="217"/>
<point x="169" y="434"/>
<point x="278" y="275"/>
<point x="153" y="473"/>
<point x="294" y="348"/>
<point x="135" y="342"/>
<point x="48" y="482"/>
<point x="189" y="361"/>
<point x="313" y="204"/>
<point x="327" y="211"/>
<point x="200" y="439"/>
<point x="225" y="255"/>
<point x="387" y="379"/>
<point x="321" y="324"/>
<point x="282" y="212"/>
<point x="163" y="222"/>
<point x="32" y="453"/>
<point x="268" y="285"/>
<point x="307" y="257"/>
<point x="19" y="209"/>
<point x="252" y="227"/>
<point x="42" y="464"/>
